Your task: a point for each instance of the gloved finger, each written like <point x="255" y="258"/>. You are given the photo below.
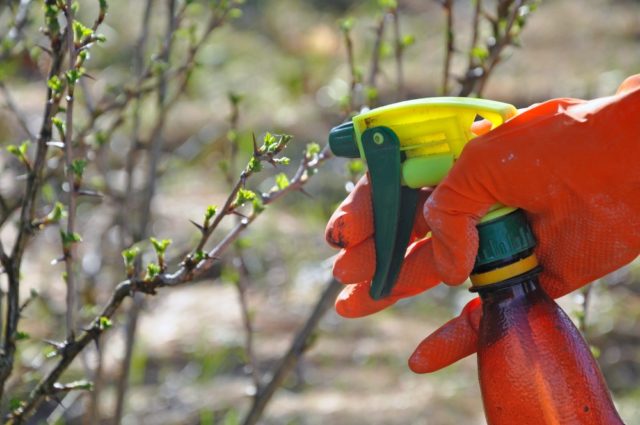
<point x="352" y="222"/>
<point x="452" y="213"/>
<point x="416" y="275"/>
<point x="455" y="340"/>
<point x="420" y="226"/>
<point x="355" y="301"/>
<point x="481" y="127"/>
<point x="356" y="264"/>
<point x="629" y="84"/>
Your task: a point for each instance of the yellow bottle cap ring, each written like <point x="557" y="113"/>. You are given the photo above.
<point x="507" y="272"/>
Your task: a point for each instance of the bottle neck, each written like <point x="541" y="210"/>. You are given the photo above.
<point x="516" y="288"/>
<point x="505" y="252"/>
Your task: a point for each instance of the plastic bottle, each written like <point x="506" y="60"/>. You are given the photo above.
<point x="534" y="366"/>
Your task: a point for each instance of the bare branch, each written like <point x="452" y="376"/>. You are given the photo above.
<point x="374" y="68"/>
<point x="447" y="5"/>
<point x="298" y="347"/>
<point x="184" y="274"/>
<point x="69" y="249"/>
<point x="11" y="105"/>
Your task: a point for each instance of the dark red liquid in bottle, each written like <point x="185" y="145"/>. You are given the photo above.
<point x="534" y="366"/>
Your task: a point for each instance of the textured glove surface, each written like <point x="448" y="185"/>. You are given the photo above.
<point x="572" y="165"/>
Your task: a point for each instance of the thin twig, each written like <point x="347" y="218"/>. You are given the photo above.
<point x="70" y="349"/>
<point x="15" y="33"/>
<point x="238" y="261"/>
<point x="449" y="45"/>
<point x="584" y="316"/>
<point x="399" y="51"/>
<point x="27" y="214"/>
<point x="70" y="249"/>
<point x="156" y="144"/>
<point x="298" y="347"/>
<point x="247" y="321"/>
<point x="475" y="30"/>
<point x="374" y="68"/>
<point x="11" y="105"/>
<point x="495" y="51"/>
<point x="353" y="73"/>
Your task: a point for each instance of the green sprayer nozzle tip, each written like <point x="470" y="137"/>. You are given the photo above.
<point x="342" y="141"/>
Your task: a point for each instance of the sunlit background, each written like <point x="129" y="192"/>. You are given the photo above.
<point x="287" y="62"/>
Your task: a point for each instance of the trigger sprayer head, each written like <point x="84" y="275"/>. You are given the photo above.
<point x="342" y="141"/>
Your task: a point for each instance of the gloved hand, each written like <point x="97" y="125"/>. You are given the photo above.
<point x="572" y="165"/>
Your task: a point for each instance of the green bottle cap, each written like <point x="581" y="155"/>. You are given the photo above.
<point x="342" y="141"/>
<point x="503" y="238"/>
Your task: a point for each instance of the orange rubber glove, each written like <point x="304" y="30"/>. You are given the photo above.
<point x="572" y="165"/>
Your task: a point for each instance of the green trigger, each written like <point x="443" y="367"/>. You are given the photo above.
<point x="394" y="207"/>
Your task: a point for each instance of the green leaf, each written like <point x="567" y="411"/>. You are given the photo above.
<point x="160" y="246"/>
<point x="19" y="152"/>
<point x="408" y="40"/>
<point x="258" y="205"/>
<point x="69" y="238"/>
<point x="129" y="256"/>
<point x="269" y="140"/>
<point x="231" y="418"/>
<point x="153" y="270"/>
<point x="104" y="323"/>
<point x="21" y="336"/>
<point x="254" y="165"/>
<point x="56" y="213"/>
<point x="230" y="274"/>
<point x="346" y="25"/>
<point x="59" y="125"/>
<point x="210" y="212"/>
<point x="235" y="13"/>
<point x="73" y="76"/>
<point x="199" y="256"/>
<point x="78" y="166"/>
<point x="55" y="84"/>
<point x="355" y="166"/>
<point x="282" y="181"/>
<point x="480" y="52"/>
<point x="234" y="98"/>
<point x="372" y="94"/>
<point x="388" y="4"/>
<point x="312" y="150"/>
<point x="80" y="31"/>
<point x="243" y="196"/>
<point x="84" y="55"/>
<point x="15" y="403"/>
<point x="101" y="137"/>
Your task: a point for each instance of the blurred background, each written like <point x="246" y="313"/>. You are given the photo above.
<point x="280" y="66"/>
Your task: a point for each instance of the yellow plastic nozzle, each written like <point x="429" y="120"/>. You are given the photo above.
<point x="432" y="132"/>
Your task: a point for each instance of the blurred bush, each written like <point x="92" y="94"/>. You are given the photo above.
<point x="165" y="117"/>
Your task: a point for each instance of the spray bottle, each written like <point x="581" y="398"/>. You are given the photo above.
<point x="534" y="366"/>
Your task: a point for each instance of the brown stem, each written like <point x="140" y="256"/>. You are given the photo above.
<point x="399" y="51"/>
<point x="449" y="45"/>
<point x="70" y="250"/>
<point x="247" y="322"/>
<point x="183" y="275"/>
<point x="295" y="352"/>
<point x="157" y="141"/>
<point x="352" y="68"/>
<point x="27" y="215"/>
<point x="11" y="105"/>
<point x="374" y="68"/>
